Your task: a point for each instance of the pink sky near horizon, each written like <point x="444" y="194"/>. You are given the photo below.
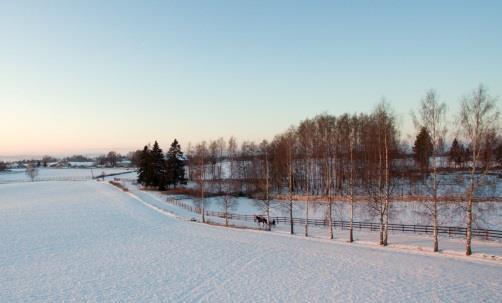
<point x="86" y="77"/>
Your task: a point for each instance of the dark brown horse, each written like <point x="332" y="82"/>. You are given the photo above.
<point x="263" y="220"/>
<point x="260" y="220"/>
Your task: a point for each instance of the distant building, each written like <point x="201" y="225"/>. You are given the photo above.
<point x="123" y="163"/>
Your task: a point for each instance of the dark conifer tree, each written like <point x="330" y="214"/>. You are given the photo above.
<point x="145" y="167"/>
<point x="466" y="155"/>
<point x="175" y="171"/>
<point x="423" y="150"/>
<point x="498" y="154"/>
<point x="456" y="153"/>
<point x="158" y="166"/>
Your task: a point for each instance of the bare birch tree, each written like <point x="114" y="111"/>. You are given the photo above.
<point x="305" y="137"/>
<point x="380" y="149"/>
<point x="432" y="117"/>
<point x="290" y="153"/>
<point x="32" y="172"/>
<point x="200" y="157"/>
<point x="326" y="125"/>
<point x="266" y="202"/>
<point x="352" y="141"/>
<point x="228" y="184"/>
<point x="479" y="117"/>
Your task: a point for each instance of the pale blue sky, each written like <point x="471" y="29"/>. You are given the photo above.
<point x="95" y="75"/>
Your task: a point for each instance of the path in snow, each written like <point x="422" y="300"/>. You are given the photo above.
<point x="88" y="241"/>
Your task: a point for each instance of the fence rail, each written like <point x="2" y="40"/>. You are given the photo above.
<point x="345" y="225"/>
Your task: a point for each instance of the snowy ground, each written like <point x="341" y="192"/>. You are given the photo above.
<point x="46" y="174"/>
<point x="487" y="215"/>
<point x="88" y="241"/>
<point x="451" y="246"/>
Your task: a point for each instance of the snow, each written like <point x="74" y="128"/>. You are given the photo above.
<point x="89" y="241"/>
<point x="82" y="163"/>
<point x="487" y="215"/>
<point x="452" y="246"/>
<point x="48" y="174"/>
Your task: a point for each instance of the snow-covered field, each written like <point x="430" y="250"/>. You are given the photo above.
<point x="19" y="175"/>
<point x="88" y="241"/>
<point x="487" y="215"/>
<point x="451" y="246"/>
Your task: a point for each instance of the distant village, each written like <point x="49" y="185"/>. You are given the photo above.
<point x="112" y="159"/>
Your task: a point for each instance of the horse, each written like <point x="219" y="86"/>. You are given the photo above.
<point x="263" y="220"/>
<point x="260" y="219"/>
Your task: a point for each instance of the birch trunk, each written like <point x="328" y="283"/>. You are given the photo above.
<point x="226" y="215"/>
<point x="290" y="181"/>
<point x="386" y="207"/>
<point x="380" y="189"/>
<point x="435" y="209"/>
<point x="468" y="236"/>
<point x="330" y="215"/>
<point x="267" y="198"/>
<point x="202" y="190"/>
<point x="351" y="184"/>
<point x="308" y="195"/>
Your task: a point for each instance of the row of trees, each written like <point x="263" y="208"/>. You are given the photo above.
<point x="352" y="158"/>
<point x="458" y="154"/>
<point x="110" y="159"/>
<point x="461" y="156"/>
<point x="326" y="156"/>
<point x="159" y="171"/>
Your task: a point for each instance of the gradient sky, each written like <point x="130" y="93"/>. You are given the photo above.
<point x="84" y="77"/>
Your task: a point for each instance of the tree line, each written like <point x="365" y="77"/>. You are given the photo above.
<point x="353" y="157"/>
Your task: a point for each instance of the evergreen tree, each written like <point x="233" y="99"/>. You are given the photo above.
<point x="466" y="155"/>
<point x="158" y="167"/>
<point x="456" y="153"/>
<point x="145" y="167"/>
<point x="498" y="154"/>
<point x="175" y="170"/>
<point x="423" y="150"/>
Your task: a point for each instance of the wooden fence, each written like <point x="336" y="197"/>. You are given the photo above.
<point x="345" y="225"/>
